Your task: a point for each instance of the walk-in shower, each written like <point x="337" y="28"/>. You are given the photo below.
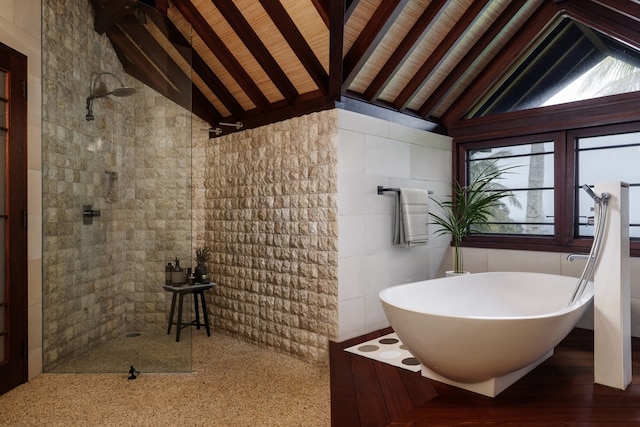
<point x="104" y="307"/>
<point x="98" y="89"/>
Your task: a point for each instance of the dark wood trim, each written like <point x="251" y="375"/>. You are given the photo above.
<point x="156" y="68"/>
<point x="15" y="371"/>
<point x="306" y="104"/>
<point x="162" y="6"/>
<point x="607" y="110"/>
<point x="364" y="46"/>
<point x="146" y="46"/>
<point x="564" y="239"/>
<point x="224" y="55"/>
<point x="609" y="21"/>
<point x="502" y="62"/>
<point x="336" y="48"/>
<point x="298" y="44"/>
<point x="200" y="67"/>
<point x="201" y="107"/>
<point x="564" y="167"/>
<point x="323" y="10"/>
<point x="441" y="51"/>
<point x="350" y="103"/>
<point x="624" y="7"/>
<point x="350" y="6"/>
<point x="252" y="42"/>
<point x="406" y="47"/>
<point x="108" y="13"/>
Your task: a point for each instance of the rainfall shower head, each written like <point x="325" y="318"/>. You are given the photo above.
<point x="98" y="89"/>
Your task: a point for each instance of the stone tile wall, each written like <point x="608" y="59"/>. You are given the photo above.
<point x="272" y="222"/>
<point x="104" y="279"/>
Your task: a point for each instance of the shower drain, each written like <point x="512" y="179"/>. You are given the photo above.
<point x="133" y="334"/>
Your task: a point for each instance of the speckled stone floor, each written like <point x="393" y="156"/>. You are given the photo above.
<point x="148" y="351"/>
<point x="233" y="383"/>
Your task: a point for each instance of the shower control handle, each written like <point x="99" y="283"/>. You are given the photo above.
<point x="88" y="213"/>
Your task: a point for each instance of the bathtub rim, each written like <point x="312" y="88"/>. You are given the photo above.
<point x="586" y="298"/>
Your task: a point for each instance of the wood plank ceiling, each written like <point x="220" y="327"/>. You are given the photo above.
<point x="424" y="63"/>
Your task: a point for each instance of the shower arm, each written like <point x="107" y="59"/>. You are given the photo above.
<point x="96" y="84"/>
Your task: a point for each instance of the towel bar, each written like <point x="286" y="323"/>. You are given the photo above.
<point x="381" y="190"/>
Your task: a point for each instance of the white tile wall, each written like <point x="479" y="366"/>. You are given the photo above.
<point x="374" y="152"/>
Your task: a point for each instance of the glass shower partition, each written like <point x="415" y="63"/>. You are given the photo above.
<point x="117" y="208"/>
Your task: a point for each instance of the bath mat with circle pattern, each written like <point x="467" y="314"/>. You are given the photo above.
<point x="387" y="349"/>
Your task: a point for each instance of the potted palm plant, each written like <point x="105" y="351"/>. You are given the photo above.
<point x="203" y="254"/>
<point x="469" y="207"/>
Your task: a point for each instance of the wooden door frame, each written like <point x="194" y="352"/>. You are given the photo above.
<point x="15" y="370"/>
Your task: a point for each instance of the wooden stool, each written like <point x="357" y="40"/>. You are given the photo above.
<point x="197" y="289"/>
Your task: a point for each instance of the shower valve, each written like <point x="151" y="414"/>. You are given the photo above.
<point x="88" y="213"/>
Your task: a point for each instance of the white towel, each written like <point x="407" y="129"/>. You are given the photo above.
<point x="411" y="217"/>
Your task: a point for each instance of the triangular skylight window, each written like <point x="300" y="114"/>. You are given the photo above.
<point x="571" y="63"/>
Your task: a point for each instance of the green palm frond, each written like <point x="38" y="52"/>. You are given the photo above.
<point x="471" y="205"/>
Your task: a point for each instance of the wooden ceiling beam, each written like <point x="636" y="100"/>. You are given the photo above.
<point x="107" y="13"/>
<point x="444" y="48"/>
<point x="336" y="48"/>
<point x="201" y="107"/>
<point x="323" y="10"/>
<point x="149" y="48"/>
<point x="609" y="21"/>
<point x="200" y="67"/>
<point x="306" y="103"/>
<point x="502" y="62"/>
<point x="350" y="6"/>
<point x="162" y="6"/>
<point x="298" y="44"/>
<point x="260" y="52"/>
<point x="375" y="30"/>
<point x="143" y="58"/>
<point x="136" y="63"/>
<point x="405" y="48"/>
<point x="224" y="55"/>
<point x="444" y="88"/>
<point x="630" y="9"/>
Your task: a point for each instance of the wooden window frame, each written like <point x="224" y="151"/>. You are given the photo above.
<point x="562" y="124"/>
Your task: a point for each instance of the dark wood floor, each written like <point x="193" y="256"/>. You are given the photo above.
<point x="559" y="392"/>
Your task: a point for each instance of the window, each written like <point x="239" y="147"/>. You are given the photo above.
<point x="529" y="207"/>
<point x="571" y="62"/>
<point x="547" y="209"/>
<point x="609" y="158"/>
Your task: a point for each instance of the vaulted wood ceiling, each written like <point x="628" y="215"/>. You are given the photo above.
<point x="419" y="62"/>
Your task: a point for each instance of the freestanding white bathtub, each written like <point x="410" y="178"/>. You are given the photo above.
<point x="482" y="332"/>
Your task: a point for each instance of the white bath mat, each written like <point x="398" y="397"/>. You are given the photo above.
<point x="387" y="349"/>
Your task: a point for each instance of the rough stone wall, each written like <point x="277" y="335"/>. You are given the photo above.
<point x="272" y="222"/>
<point x="155" y="210"/>
<point x="104" y="279"/>
<point x="199" y="143"/>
